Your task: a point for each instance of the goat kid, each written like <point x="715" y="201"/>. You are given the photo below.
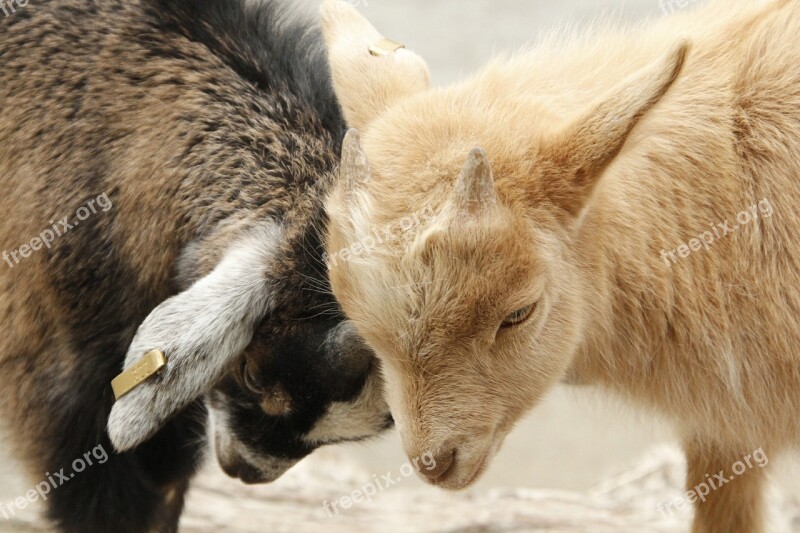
<point x="212" y="130"/>
<point x="583" y="162"/>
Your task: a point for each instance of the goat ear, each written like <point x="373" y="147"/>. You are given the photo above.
<point x="369" y="73"/>
<point x="583" y="150"/>
<point x="201" y="330"/>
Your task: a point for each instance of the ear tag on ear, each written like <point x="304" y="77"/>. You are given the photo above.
<point x="384" y="47"/>
<point x="146" y="367"/>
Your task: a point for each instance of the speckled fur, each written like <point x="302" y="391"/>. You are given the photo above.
<point x="199" y="120"/>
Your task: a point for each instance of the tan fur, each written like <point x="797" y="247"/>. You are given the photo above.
<point x="605" y="151"/>
<point x="383" y="80"/>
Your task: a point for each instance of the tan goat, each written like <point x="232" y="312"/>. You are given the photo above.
<point x="615" y="227"/>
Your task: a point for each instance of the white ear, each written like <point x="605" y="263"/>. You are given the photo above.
<point x="201" y="330"/>
<point x="367" y="84"/>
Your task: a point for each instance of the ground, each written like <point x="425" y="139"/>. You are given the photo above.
<point x="627" y="502"/>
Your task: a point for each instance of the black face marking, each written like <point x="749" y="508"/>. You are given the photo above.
<point x="313" y="372"/>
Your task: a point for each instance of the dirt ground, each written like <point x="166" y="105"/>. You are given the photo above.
<point x="310" y="498"/>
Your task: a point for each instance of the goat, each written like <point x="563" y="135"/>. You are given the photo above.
<point x="189" y="146"/>
<point x="564" y="181"/>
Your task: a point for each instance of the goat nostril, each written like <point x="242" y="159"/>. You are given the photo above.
<point x="443" y="463"/>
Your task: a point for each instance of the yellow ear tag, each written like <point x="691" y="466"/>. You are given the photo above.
<point x="146" y="367"/>
<point x="384" y="47"/>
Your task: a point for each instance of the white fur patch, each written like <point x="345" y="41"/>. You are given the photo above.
<point x="200" y="330"/>
<point x="363" y="417"/>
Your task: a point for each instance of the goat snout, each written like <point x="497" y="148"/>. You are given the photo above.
<point x="244" y="471"/>
<point x="236" y="466"/>
<point x="249" y="474"/>
<point x="443" y="462"/>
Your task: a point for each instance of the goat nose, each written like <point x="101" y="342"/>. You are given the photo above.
<point x="443" y="462"/>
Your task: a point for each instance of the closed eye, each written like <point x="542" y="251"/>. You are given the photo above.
<point x="252" y="383"/>
<point x="518" y="317"/>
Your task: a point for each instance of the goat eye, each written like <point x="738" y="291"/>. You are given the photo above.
<point x="518" y="317"/>
<point x="250" y="381"/>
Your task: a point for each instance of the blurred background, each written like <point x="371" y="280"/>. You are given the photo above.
<point x="576" y="439"/>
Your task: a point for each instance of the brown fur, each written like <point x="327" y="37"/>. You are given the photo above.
<point x="201" y="120"/>
<point x="588" y="195"/>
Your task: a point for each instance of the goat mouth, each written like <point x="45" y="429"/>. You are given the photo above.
<point x="449" y="481"/>
<point x="247" y="474"/>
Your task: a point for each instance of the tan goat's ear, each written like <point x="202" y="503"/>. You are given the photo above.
<point x="583" y="150"/>
<point x="474" y="193"/>
<point x="369" y="73"/>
